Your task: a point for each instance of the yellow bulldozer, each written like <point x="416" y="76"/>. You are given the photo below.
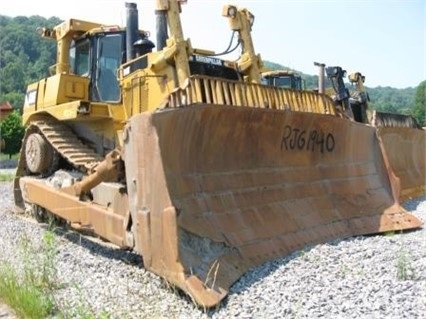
<point x="283" y="78"/>
<point x="189" y="160"/>
<point x="404" y="140"/>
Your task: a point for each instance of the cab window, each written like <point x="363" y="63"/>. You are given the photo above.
<point x="109" y="51"/>
<point x="79" y="58"/>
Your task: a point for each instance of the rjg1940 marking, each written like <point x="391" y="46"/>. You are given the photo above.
<point x="297" y="139"/>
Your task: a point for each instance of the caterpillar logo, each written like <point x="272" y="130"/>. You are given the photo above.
<point x="206" y="59"/>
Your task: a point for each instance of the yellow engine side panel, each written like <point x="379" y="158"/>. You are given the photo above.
<point x="59" y="95"/>
<point x="63" y="88"/>
<point x="147" y="87"/>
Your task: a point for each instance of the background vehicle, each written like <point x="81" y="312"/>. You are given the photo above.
<point x="283" y="78"/>
<point x="189" y="160"/>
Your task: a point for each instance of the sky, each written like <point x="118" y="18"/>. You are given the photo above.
<point x="384" y="40"/>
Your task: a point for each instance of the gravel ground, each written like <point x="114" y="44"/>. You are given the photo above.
<point x="352" y="278"/>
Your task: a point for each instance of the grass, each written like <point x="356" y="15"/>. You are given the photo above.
<point x="49" y="271"/>
<point x="6" y="156"/>
<point x="6" y="177"/>
<point x="24" y="295"/>
<point x="28" y="292"/>
<point x="389" y="233"/>
<point x="404" y="269"/>
<point x="29" y="288"/>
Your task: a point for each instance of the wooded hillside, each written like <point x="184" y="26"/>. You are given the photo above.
<point x="25" y="57"/>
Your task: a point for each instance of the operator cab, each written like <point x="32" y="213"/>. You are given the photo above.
<point x="98" y="56"/>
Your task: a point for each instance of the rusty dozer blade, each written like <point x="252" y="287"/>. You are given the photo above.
<point x="216" y="190"/>
<point x="406" y="149"/>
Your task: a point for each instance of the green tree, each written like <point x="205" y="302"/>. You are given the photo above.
<point x="25" y="57"/>
<point x="419" y="109"/>
<point x="12" y="132"/>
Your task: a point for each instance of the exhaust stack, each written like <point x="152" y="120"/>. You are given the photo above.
<point x="161" y="28"/>
<point x="132" y="27"/>
<point x="321" y="85"/>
